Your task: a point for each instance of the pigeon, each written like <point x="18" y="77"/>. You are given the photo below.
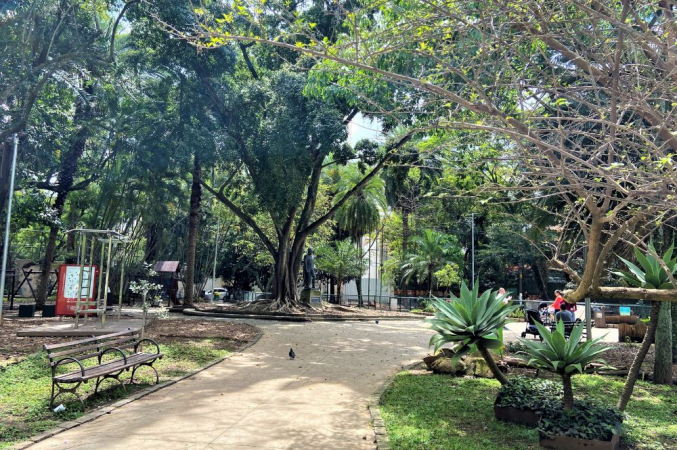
<point x="376" y="321"/>
<point x="292" y="355"/>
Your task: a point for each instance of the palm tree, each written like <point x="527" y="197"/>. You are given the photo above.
<point x="362" y="213"/>
<point x="434" y="250"/>
<point x="342" y="261"/>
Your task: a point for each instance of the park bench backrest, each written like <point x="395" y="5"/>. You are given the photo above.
<point x="90" y="347"/>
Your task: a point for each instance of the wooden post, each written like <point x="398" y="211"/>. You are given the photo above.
<point x="105" y="289"/>
<point x="81" y="255"/>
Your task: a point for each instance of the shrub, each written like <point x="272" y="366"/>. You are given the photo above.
<point x="584" y="421"/>
<point x="536" y="395"/>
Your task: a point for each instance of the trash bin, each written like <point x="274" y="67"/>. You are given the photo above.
<point x="600" y="317"/>
<point x="49" y="311"/>
<point x="26" y="310"/>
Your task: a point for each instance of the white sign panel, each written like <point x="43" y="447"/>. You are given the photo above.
<point x="72" y="280"/>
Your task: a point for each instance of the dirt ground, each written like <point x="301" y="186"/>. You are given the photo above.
<point x="13" y="348"/>
<point x="620" y="357"/>
<point x="234" y="335"/>
<point x="262" y="307"/>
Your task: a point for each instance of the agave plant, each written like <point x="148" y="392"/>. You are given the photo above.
<point x="654" y="276"/>
<point x="471" y="321"/>
<point x="565" y="358"/>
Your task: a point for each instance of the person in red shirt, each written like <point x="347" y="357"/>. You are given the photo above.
<point x="559" y="298"/>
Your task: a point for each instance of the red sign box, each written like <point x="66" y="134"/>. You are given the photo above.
<point x="67" y="288"/>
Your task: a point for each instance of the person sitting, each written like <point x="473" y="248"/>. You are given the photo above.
<point x="564" y="314"/>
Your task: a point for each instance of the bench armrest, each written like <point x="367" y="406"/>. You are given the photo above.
<point x="61" y="361"/>
<point x="149" y="340"/>
<point x="124" y="357"/>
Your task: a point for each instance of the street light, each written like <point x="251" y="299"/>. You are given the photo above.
<point x="5" y="248"/>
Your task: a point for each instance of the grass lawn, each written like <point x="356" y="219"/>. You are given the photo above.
<point x="444" y="412"/>
<point x="25" y="387"/>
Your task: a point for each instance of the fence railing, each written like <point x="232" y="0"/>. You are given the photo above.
<point x="399" y="303"/>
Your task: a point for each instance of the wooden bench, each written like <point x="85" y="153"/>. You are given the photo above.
<point x="124" y="345"/>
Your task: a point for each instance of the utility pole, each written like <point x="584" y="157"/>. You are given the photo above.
<point x="216" y="251"/>
<point x="5" y="248"/>
<point x="472" y="247"/>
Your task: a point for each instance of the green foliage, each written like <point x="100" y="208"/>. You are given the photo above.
<point x="517" y="314"/>
<point x="433" y="251"/>
<point x="361" y="213"/>
<point x="25" y="387"/>
<point x="342" y="260"/>
<point x="585" y="421"/>
<point x="532" y="394"/>
<point x="651" y="275"/>
<point x="468" y="320"/>
<point x="557" y="354"/>
<point x="451" y="413"/>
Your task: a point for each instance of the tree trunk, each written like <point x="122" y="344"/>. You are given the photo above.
<point x="568" y="398"/>
<point x="339" y="284"/>
<point x="332" y="283"/>
<point x="430" y="281"/>
<point x="405" y="231"/>
<point x="358" y="284"/>
<point x="486" y="354"/>
<point x="193" y="224"/>
<point x="72" y="223"/>
<point x="639" y="358"/>
<point x="5" y="168"/>
<point x="674" y="333"/>
<point x="152" y="243"/>
<point x="662" y="369"/>
<point x="64" y="183"/>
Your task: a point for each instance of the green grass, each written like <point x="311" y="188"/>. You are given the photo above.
<point x="444" y="412"/>
<point x="25" y="388"/>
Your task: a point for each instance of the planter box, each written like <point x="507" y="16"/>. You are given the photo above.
<point x="26" y="310"/>
<point x="524" y="417"/>
<point x="571" y="443"/>
<point x="49" y="311"/>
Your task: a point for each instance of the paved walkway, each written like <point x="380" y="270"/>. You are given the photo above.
<point x="261" y="399"/>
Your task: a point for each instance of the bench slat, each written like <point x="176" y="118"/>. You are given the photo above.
<point x="107" y="368"/>
<point x="99" y="345"/>
<point x="50" y="347"/>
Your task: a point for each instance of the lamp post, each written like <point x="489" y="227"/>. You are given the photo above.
<point x="472" y="248"/>
<point x="5" y="247"/>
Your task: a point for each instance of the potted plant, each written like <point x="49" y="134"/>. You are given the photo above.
<point x="524" y="400"/>
<point x="471" y="322"/>
<point x="586" y="425"/>
<point x="566" y="358"/>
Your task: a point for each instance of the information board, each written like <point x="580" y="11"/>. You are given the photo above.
<point x="67" y="288"/>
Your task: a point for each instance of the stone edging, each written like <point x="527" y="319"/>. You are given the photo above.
<point x="297" y="318"/>
<point x="109" y="409"/>
<point x="381" y="438"/>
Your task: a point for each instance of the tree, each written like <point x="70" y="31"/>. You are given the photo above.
<point x="565" y="357"/>
<point x="432" y="251"/>
<point x="361" y="214"/>
<point x="341" y="260"/>
<point x="656" y="273"/>
<point x="566" y="97"/>
<point x="471" y="321"/>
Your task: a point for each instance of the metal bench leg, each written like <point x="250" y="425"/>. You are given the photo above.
<point x="157" y="376"/>
<point x="63" y="390"/>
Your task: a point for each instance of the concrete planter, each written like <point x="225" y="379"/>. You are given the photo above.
<point x="571" y="443"/>
<point x="524" y="417"/>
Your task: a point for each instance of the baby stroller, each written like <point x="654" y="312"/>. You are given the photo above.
<point x="533" y="317"/>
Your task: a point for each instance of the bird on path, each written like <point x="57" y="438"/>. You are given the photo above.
<point x="292" y="355"/>
<point x="376" y="321"/>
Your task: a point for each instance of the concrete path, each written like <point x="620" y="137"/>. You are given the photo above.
<point x="261" y="399"/>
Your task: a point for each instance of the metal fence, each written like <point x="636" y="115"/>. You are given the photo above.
<point x="398" y="303"/>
